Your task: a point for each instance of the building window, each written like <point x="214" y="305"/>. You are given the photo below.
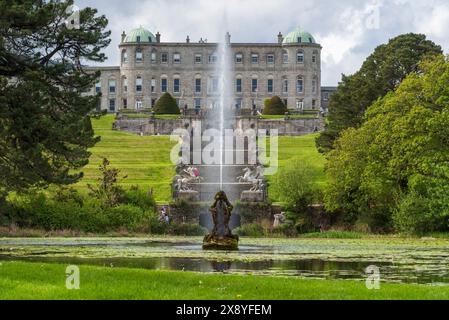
<point x="164" y="85"/>
<point x="197" y="85"/>
<point x="139" y="84"/>
<point x="213" y="58"/>
<point x="254" y="58"/>
<point x="286" y="102"/>
<point x="138" y="39"/>
<point x="197" y="103"/>
<point x="138" y="104"/>
<point x="313" y="104"/>
<point x="326" y="96"/>
<point x="254" y="85"/>
<point x="238" y="85"/>
<point x="177" y="85"/>
<point x="153" y="85"/>
<point x="270" y="86"/>
<point x="125" y="84"/>
<point x="98" y="87"/>
<point x="239" y="58"/>
<point x="285" y="56"/>
<point x="314" y="58"/>
<point x="300" y="56"/>
<point x="139" y="55"/>
<point x="314" y="86"/>
<point x="164" y="57"/>
<point x="112" y="85"/>
<point x="198" y="58"/>
<point x="125" y="103"/>
<point x="176" y="58"/>
<point x="299" y="85"/>
<point x="300" y="104"/>
<point x="214" y="85"/>
<point x="153" y="102"/>
<point x="270" y="59"/>
<point x="238" y="103"/>
<point x="153" y="57"/>
<point x="112" y="105"/>
<point x="285" y="85"/>
<point x="124" y="56"/>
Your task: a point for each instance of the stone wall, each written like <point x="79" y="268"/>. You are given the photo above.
<point x="149" y="127"/>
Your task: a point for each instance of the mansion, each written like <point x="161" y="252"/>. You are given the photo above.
<point x="289" y="68"/>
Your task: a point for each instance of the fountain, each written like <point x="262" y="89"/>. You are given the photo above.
<point x="221" y="237"/>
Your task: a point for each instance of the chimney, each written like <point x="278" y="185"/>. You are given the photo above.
<point x="123" y="36"/>
<point x="158" y="37"/>
<point x="280" y="38"/>
<point x="228" y="38"/>
<point x="188" y="39"/>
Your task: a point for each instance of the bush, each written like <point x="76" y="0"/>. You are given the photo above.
<point x="274" y="107"/>
<point x="139" y="198"/>
<point x="166" y="105"/>
<point x="252" y="230"/>
<point x="128" y="217"/>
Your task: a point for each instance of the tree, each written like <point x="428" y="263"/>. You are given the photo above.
<point x="45" y="128"/>
<point x="167" y="105"/>
<point x="381" y="73"/>
<point x="394" y="169"/>
<point x="274" y="106"/>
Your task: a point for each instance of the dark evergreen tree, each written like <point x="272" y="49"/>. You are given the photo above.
<point x="381" y="73"/>
<point x="45" y="127"/>
<point x="166" y="105"/>
<point x="274" y="106"/>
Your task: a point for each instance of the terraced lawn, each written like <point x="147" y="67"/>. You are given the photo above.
<point x="144" y="160"/>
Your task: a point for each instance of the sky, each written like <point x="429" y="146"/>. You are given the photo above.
<point x="348" y="30"/>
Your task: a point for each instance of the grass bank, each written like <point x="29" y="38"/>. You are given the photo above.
<point x="144" y="160"/>
<point x="21" y="280"/>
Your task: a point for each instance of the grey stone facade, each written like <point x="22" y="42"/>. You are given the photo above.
<point x="290" y="70"/>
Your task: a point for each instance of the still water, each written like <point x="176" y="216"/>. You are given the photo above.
<point x="407" y="261"/>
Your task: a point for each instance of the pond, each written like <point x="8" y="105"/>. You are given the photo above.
<point x="417" y="261"/>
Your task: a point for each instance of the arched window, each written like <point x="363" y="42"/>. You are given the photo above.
<point x="198" y="84"/>
<point x="270" y="84"/>
<point x="285" y="85"/>
<point x="124" y="56"/>
<point x="139" y="55"/>
<point x="284" y="56"/>
<point x="176" y="85"/>
<point x="300" y="56"/>
<point x="164" y="84"/>
<point x="299" y="84"/>
<point x="139" y="84"/>
<point x="238" y="84"/>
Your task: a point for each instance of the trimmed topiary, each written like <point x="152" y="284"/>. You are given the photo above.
<point x="274" y="107"/>
<point x="167" y="105"/>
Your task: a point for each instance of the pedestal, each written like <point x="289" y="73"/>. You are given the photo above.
<point x="252" y="196"/>
<point x="226" y="243"/>
<point x="191" y="195"/>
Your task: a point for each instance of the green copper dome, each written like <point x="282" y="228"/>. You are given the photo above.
<point x="140" y="35"/>
<point x="298" y="36"/>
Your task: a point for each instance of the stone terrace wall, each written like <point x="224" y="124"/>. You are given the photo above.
<point x="148" y="126"/>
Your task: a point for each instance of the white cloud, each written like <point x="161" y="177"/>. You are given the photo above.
<point x="348" y="30"/>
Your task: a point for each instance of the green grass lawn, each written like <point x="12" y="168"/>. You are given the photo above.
<point x="144" y="160"/>
<point x="22" y="280"/>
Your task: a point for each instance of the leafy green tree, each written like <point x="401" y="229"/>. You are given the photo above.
<point x="394" y="169"/>
<point x="381" y="73"/>
<point x="167" y="105"/>
<point x="45" y="129"/>
<point x="274" y="106"/>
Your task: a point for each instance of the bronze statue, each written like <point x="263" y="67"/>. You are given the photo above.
<point x="221" y="237"/>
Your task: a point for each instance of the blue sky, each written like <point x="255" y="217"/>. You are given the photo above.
<point x="348" y="30"/>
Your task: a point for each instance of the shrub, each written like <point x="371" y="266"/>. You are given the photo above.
<point x="128" y="217"/>
<point x="166" y="105"/>
<point x="139" y="198"/>
<point x="274" y="107"/>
